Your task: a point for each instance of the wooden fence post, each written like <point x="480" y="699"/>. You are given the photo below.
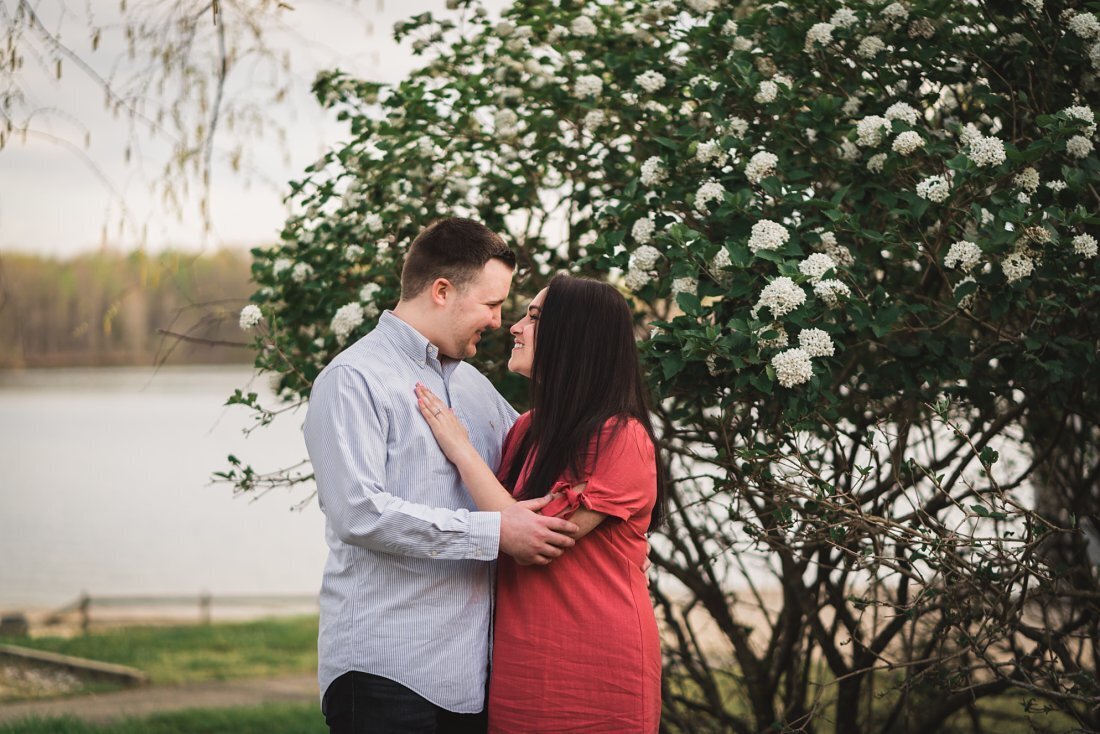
<point x="85" y="611"/>
<point x="204" y="607"/>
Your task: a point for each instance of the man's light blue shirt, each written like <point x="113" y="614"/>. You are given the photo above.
<point x="407" y="590"/>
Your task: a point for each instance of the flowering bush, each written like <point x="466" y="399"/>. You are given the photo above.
<point x="907" y="191"/>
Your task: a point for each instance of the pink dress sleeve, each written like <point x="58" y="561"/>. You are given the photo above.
<point x="620" y="479"/>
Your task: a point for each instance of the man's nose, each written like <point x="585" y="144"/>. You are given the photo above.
<point x="495" y="323"/>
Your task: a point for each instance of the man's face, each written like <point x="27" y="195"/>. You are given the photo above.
<point x="475" y="309"/>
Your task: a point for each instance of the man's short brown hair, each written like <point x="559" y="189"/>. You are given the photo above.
<point x="453" y="248"/>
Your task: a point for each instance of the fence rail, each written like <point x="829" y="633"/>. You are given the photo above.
<point x="205" y="602"/>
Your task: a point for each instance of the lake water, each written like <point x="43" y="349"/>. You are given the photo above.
<point x="105" y="487"/>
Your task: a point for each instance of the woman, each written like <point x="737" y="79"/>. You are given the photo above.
<point x="575" y="645"/>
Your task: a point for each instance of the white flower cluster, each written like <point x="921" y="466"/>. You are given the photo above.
<point x="735" y="126"/>
<point x="1083" y="244"/>
<point x="815" y="266"/>
<point x="721" y="261"/>
<point x="820" y="34"/>
<point x="871" y="130"/>
<point x="781" y="296"/>
<point x="301" y="272"/>
<point x="710" y="191"/>
<point x="684" y="285"/>
<point x="642" y="231"/>
<point x="354" y="253"/>
<point x="1057" y="186"/>
<point x="895" y="13"/>
<point x="250" y="316"/>
<point x="760" y="166"/>
<point x="1038" y="234"/>
<point x="711" y="150"/>
<point x="986" y="151"/>
<point x="816" y="343"/>
<point x="367" y="294"/>
<point x="1027" y="179"/>
<point x="849" y="151"/>
<point x="1016" y="266"/>
<point x="934" y="188"/>
<point x="792" y="367"/>
<point x="702" y="7"/>
<point x="830" y="292"/>
<point x="582" y="25"/>
<point x="345" y="321"/>
<point x="729" y="28"/>
<point x="594" y="120"/>
<point x="903" y="111"/>
<point x="839" y="253"/>
<point x="907" y="142"/>
<point x="766" y="92"/>
<point x="644" y="258"/>
<point x="922" y="28"/>
<point x="844" y="18"/>
<point x="968" y="134"/>
<point x="768" y="235"/>
<point x="640" y="267"/>
<point x="653" y="172"/>
<point x="505" y="123"/>
<point x="876" y="162"/>
<point x="281" y="264"/>
<point x="588" y="85"/>
<point x="968" y="300"/>
<point x="373" y="222"/>
<point x="650" y="81"/>
<point x="963" y="255"/>
<point x="1085" y="25"/>
<point x="1085" y="114"/>
<point x="781" y="339"/>
<point x="870" y="47"/>
<point x="1079" y="146"/>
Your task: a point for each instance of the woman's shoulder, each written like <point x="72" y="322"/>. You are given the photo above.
<point x="626" y="431"/>
<point x="523" y="422"/>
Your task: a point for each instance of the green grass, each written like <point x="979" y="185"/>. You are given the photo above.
<point x="270" y="719"/>
<point x="1003" y="714"/>
<point x="187" y="654"/>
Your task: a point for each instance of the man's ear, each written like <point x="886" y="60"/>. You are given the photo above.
<point x="441" y="290"/>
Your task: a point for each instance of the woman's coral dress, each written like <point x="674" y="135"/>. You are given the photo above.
<point x="575" y="646"/>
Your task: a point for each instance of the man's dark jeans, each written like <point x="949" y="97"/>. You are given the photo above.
<point x="361" y="703"/>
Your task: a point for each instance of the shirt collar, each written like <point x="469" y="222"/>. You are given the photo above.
<point x="407" y="339"/>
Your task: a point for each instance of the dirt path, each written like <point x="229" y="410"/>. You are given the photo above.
<point x="138" y="702"/>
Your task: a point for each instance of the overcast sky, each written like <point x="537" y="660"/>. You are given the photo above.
<point x="53" y="201"/>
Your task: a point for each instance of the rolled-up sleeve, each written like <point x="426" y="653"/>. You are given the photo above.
<point x="346" y="431"/>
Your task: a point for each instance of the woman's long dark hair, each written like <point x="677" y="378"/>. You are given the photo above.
<point x="585" y="371"/>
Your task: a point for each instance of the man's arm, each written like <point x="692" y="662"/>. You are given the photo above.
<point x="345" y="433"/>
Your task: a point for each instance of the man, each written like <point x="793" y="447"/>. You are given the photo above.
<point x="407" y="593"/>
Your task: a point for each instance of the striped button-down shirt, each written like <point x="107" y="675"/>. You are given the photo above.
<point x="407" y="590"/>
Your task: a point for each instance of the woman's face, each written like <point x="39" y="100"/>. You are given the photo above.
<point x="523" y="353"/>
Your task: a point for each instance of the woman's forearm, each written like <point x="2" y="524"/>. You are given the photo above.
<point x="487" y="492"/>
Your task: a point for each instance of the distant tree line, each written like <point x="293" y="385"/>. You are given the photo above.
<point x="110" y="308"/>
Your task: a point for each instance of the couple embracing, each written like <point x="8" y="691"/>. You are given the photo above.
<point x="426" y="476"/>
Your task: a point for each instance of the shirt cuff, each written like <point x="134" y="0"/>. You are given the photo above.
<point x="484" y="535"/>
